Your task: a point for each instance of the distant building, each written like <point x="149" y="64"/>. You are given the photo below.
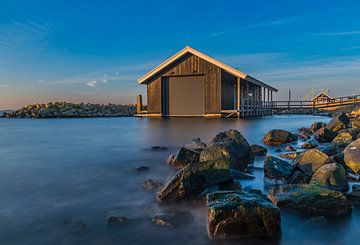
<point x="322" y="98"/>
<point x="191" y="83"/>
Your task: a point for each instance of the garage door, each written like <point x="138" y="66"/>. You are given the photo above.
<point x="186" y="96"/>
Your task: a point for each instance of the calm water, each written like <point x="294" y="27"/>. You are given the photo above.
<point x="55" y="173"/>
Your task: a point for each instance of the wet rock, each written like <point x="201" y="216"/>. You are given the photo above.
<point x="279" y="137"/>
<point x="142" y="168"/>
<point x="303" y="136"/>
<point x="277" y="171"/>
<point x="355" y="123"/>
<point x="339" y="159"/>
<point x="241" y="214"/>
<point x="311" y="200"/>
<point x="324" y="135"/>
<point x="230" y="186"/>
<point x="116" y="220"/>
<point x="331" y="176"/>
<point x="311" y="160"/>
<point x="278" y="150"/>
<point x="316" y="126"/>
<point x="258" y="150"/>
<point x="354" y="195"/>
<point x="183" y="157"/>
<point x="159" y="148"/>
<point x="173" y="219"/>
<point x="311" y="144"/>
<point x="241" y="175"/>
<point x="339" y="122"/>
<point x="290" y="148"/>
<point x="343" y="139"/>
<point x="289" y="155"/>
<point x="299" y="177"/>
<point x="195" y="145"/>
<point x="352" y="156"/>
<point x="150" y="185"/>
<point x="304" y="130"/>
<point x="330" y="149"/>
<point x="232" y="146"/>
<point x="193" y="179"/>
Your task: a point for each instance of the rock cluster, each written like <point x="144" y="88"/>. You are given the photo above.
<point x="71" y="110"/>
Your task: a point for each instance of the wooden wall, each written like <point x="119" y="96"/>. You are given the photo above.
<point x="188" y="65"/>
<point x="228" y="91"/>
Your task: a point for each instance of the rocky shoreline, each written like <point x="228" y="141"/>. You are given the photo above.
<point x="72" y="110"/>
<point x="310" y="176"/>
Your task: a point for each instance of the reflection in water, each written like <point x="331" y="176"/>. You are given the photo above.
<point x="56" y="173"/>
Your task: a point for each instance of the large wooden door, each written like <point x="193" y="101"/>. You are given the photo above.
<point x="186" y="96"/>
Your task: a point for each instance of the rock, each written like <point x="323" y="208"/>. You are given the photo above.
<point x="173" y="219"/>
<point x="183" y="157"/>
<point x="339" y="122"/>
<point x="195" y="145"/>
<point x="278" y="150"/>
<point x="311" y="160"/>
<point x="232" y="146"/>
<point x="241" y="175"/>
<point x="331" y="176"/>
<point x="299" y="177"/>
<point x="290" y="148"/>
<point x="279" y="137"/>
<point x="277" y="171"/>
<point x="304" y="130"/>
<point x="229" y="186"/>
<point x="150" y="185"/>
<point x="193" y="179"/>
<point x="343" y="139"/>
<point x="316" y="126"/>
<point x="289" y="155"/>
<point x="339" y="158"/>
<point x="311" y="200"/>
<point x="355" y="123"/>
<point x="354" y="195"/>
<point x="303" y="136"/>
<point x="352" y="156"/>
<point x="258" y="150"/>
<point x="116" y="220"/>
<point x="330" y="149"/>
<point x="311" y="144"/>
<point x="241" y="214"/>
<point x="159" y="148"/>
<point x="324" y="135"/>
<point x="142" y="168"/>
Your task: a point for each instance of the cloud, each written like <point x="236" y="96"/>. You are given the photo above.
<point x="341" y="33"/>
<point x="3" y="85"/>
<point x="91" y="84"/>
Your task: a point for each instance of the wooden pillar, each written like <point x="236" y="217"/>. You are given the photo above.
<point x="247" y="99"/>
<point x="238" y="97"/>
<point x="139" y="104"/>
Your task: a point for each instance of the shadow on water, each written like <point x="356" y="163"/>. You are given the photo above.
<point x="60" y="180"/>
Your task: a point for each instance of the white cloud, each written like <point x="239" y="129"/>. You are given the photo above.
<point x="340" y="33"/>
<point x="105" y="81"/>
<point x="91" y="84"/>
<point x="3" y="85"/>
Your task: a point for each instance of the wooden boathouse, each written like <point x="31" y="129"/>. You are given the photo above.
<point x="191" y="83"/>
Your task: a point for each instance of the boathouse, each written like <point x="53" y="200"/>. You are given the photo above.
<point x="191" y="83"/>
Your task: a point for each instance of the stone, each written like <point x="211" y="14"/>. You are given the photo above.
<point x="241" y="175"/>
<point x="354" y="195"/>
<point x="150" y="185"/>
<point x="193" y="179"/>
<point x="331" y="176"/>
<point x="277" y="171"/>
<point x="339" y="122"/>
<point x="116" y="220"/>
<point x="298" y="177"/>
<point x="258" y="150"/>
<point x="343" y="139"/>
<point x="311" y="160"/>
<point x="183" y="157"/>
<point x="355" y="123"/>
<point x="173" y="219"/>
<point x="316" y="126"/>
<point x="279" y="137"/>
<point x="195" y="145"/>
<point x="304" y="130"/>
<point x="311" y="144"/>
<point x="352" y="156"/>
<point x="232" y="146"/>
<point x="311" y="200"/>
<point x="290" y="148"/>
<point x="289" y="155"/>
<point x="142" y="168"/>
<point x="324" y="135"/>
<point x="241" y="214"/>
<point x="159" y="148"/>
<point x="330" y="149"/>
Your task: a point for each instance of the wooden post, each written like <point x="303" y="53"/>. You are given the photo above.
<point x="139" y="104"/>
<point x="238" y="97"/>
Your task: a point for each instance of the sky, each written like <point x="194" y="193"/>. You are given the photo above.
<point x="94" y="51"/>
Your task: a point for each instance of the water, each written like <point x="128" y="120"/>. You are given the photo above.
<point x="55" y="173"/>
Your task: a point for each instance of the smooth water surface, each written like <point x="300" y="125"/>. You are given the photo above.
<point x="60" y="179"/>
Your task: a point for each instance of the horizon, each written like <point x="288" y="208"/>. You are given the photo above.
<point x="93" y="52"/>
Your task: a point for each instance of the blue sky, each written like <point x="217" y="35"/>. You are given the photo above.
<point x="93" y="51"/>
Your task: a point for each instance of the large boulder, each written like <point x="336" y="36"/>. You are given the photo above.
<point x="311" y="144"/>
<point x="352" y="156"/>
<point x="279" y="137"/>
<point x="311" y="160"/>
<point x="311" y="200"/>
<point x="289" y="155"/>
<point x="277" y="171"/>
<point x="232" y="146"/>
<point x="355" y="123"/>
<point x="193" y="179"/>
<point x="354" y="195"/>
<point x="183" y="157"/>
<point x="332" y="176"/>
<point x="258" y="150"/>
<point x="316" y="126"/>
<point x="240" y="214"/>
<point x="196" y="145"/>
<point x="331" y="149"/>
<point x="343" y="139"/>
<point x="339" y="122"/>
<point x="324" y="135"/>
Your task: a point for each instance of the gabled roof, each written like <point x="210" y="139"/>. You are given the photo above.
<point x="322" y="94"/>
<point x="218" y="63"/>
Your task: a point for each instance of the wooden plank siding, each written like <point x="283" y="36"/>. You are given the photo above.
<point x="188" y="65"/>
<point x="228" y="91"/>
